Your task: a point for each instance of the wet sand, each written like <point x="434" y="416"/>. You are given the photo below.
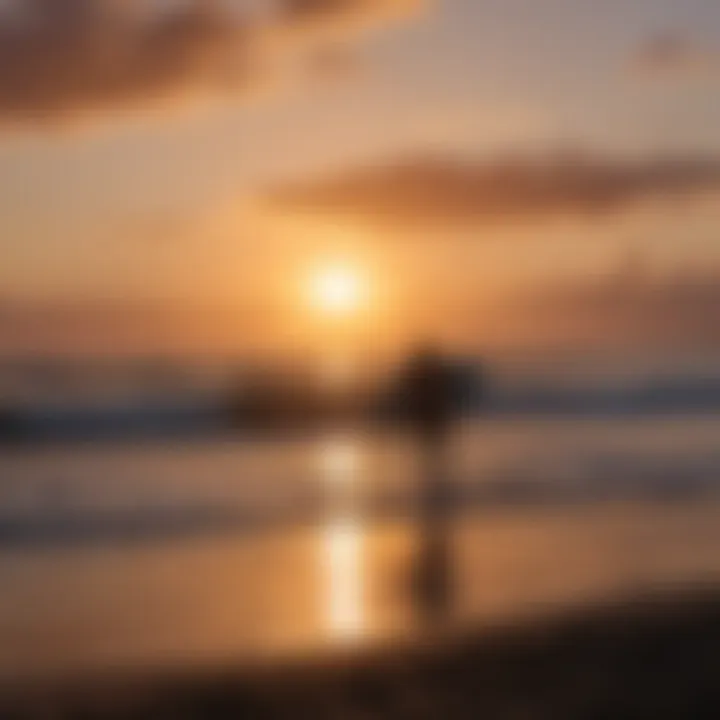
<point x="232" y="599"/>
<point x="646" y="657"/>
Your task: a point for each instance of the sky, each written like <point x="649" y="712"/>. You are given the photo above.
<point x="503" y="173"/>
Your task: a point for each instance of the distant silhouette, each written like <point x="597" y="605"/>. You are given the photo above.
<point x="428" y="390"/>
<point x="429" y="399"/>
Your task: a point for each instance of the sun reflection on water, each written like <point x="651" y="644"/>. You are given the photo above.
<point x="342" y="540"/>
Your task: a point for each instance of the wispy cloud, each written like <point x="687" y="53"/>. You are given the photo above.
<point x="442" y="192"/>
<point x="59" y="57"/>
<point x="672" y="54"/>
<point x="625" y="312"/>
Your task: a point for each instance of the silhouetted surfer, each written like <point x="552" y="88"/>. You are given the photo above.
<point x="429" y="403"/>
<point x="429" y="395"/>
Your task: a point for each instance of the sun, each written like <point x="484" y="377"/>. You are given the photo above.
<point x="337" y="288"/>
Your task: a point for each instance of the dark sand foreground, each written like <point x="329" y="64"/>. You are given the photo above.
<point x="652" y="657"/>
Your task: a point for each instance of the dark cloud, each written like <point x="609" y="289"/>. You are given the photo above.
<point x="441" y="191"/>
<point x="63" y="56"/>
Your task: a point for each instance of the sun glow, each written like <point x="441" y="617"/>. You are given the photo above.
<point x="338" y="289"/>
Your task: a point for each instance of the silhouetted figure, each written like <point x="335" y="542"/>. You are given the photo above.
<point x="428" y="395"/>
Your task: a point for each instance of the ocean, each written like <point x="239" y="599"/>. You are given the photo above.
<point x="217" y="550"/>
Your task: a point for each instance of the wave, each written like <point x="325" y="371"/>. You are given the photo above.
<point x="602" y="480"/>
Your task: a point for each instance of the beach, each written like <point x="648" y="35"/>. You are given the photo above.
<point x="117" y="582"/>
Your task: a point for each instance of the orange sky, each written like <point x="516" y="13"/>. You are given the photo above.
<point x="128" y="184"/>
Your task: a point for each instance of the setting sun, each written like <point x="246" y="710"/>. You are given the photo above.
<point x="337" y="289"/>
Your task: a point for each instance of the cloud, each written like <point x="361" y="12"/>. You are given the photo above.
<point x="672" y="54"/>
<point x="625" y="312"/>
<point x="59" y="57"/>
<point x="447" y="191"/>
<point x="134" y="327"/>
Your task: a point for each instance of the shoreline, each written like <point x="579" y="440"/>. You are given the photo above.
<point x="650" y="655"/>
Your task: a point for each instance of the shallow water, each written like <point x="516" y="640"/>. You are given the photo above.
<point x="562" y="513"/>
